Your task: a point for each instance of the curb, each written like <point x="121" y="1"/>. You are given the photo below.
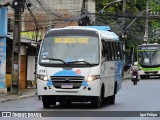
<point x="127" y="78"/>
<point x="14" y="97"/>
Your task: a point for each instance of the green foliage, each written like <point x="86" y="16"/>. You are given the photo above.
<point x="135" y="32"/>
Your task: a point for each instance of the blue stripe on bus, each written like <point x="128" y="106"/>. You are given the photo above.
<point x="119" y="71"/>
<point x="84" y="83"/>
<point x="49" y="83"/>
<point x="119" y="65"/>
<point x="105" y="28"/>
<point x="67" y="73"/>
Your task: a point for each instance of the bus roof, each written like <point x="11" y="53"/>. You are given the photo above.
<point x="104" y="31"/>
<point x="107" y="35"/>
<point x="105" y="28"/>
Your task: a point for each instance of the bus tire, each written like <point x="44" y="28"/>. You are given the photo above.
<point x="102" y="95"/>
<point x="96" y="102"/>
<point x="142" y="77"/>
<point x="111" y="99"/>
<point x="46" y="103"/>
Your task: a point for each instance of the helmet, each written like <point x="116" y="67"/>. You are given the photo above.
<point x="135" y="63"/>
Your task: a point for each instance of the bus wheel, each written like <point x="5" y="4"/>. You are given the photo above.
<point x="111" y="99"/>
<point x="96" y="103"/>
<point x="143" y="77"/>
<point x="46" y="103"/>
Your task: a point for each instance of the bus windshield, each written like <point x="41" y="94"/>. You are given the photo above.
<point x="69" y="49"/>
<point x="149" y="56"/>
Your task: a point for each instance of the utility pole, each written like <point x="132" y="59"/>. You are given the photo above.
<point x="124" y="19"/>
<point x="124" y="27"/>
<point x="85" y="20"/>
<point x="146" y="23"/>
<point x="18" y="6"/>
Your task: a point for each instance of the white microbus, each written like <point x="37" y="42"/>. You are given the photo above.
<point x="79" y="64"/>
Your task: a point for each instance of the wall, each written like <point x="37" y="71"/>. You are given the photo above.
<point x="30" y="68"/>
<point x="61" y="9"/>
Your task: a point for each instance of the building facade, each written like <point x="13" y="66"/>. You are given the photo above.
<point x="36" y="20"/>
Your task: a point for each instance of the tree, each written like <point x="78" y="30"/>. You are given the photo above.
<point x="135" y="33"/>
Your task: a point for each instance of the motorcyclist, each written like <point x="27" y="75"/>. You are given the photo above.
<point x="135" y="67"/>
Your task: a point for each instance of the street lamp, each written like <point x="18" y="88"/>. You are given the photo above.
<point x="107" y="4"/>
<point x="136" y="18"/>
<point x="145" y="36"/>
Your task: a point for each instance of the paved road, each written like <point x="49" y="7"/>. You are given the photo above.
<point x="144" y="96"/>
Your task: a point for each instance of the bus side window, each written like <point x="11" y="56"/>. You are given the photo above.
<point x="106" y="52"/>
<point x="109" y="50"/>
<point x="118" y="51"/>
<point x="103" y="48"/>
<point x="114" y="50"/>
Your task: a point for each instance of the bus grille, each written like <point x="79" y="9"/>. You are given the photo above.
<point x="73" y="82"/>
<point x="151" y="72"/>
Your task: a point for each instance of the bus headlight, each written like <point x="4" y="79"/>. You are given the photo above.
<point x="42" y="77"/>
<point x="93" y="77"/>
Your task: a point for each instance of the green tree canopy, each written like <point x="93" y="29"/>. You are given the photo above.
<point x="136" y="31"/>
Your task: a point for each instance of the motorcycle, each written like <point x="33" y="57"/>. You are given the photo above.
<point x="135" y="78"/>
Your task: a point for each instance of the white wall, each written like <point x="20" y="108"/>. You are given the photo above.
<point x="30" y="68"/>
<point x="23" y="50"/>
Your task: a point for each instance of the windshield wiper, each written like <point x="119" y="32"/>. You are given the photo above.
<point x="54" y="59"/>
<point x="81" y="61"/>
<point x="154" y="53"/>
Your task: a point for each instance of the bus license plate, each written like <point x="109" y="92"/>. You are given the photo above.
<point x="67" y="86"/>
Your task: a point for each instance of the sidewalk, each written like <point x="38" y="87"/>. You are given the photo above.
<point x="126" y="75"/>
<point x="23" y="94"/>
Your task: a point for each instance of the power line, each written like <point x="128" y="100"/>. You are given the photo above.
<point x="43" y="6"/>
<point x="5" y="5"/>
